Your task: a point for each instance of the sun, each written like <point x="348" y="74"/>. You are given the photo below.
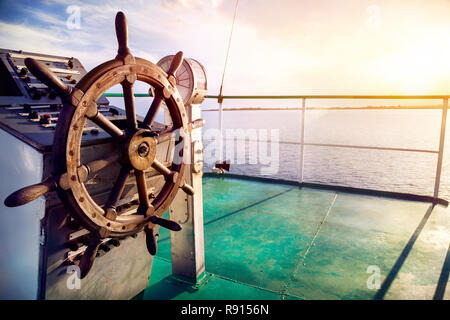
<point x="419" y="68"/>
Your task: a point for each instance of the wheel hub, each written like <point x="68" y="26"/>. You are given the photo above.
<point x="141" y="150"/>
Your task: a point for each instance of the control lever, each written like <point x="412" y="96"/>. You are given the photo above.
<point x="23" y="72"/>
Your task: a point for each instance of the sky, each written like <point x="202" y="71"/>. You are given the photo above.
<point x="278" y="47"/>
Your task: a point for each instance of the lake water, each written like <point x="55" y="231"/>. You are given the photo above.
<point x="399" y="171"/>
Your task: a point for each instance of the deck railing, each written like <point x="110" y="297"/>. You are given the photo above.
<point x="302" y="107"/>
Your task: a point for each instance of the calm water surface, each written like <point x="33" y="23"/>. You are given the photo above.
<point x="399" y="171"/>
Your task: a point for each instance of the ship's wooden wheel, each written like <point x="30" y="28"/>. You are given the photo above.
<point x="136" y="145"/>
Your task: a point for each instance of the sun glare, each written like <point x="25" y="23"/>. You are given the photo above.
<point x="420" y="67"/>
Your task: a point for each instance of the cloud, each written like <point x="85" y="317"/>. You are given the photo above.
<point x="190" y="3"/>
<point x="155" y="30"/>
<point x="286" y="46"/>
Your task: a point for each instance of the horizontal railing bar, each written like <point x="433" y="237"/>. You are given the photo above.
<point x="386" y="97"/>
<point x="339" y="146"/>
<point x="327" y="108"/>
<point x="368" y="147"/>
<point x="119" y="95"/>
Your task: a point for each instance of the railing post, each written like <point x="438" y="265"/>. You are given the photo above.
<point x="437" y="180"/>
<point x="220" y="131"/>
<point x="302" y="141"/>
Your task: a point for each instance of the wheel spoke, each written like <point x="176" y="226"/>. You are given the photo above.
<point x="150" y="240"/>
<point x="167" y="173"/>
<point x="118" y="188"/>
<point x="88" y="258"/>
<point x="104" y="123"/>
<point x="154" y="108"/>
<point x="144" y="203"/>
<point x="40" y="71"/>
<point x="129" y="104"/>
<point x="161" y="168"/>
<point x="156" y="104"/>
<point x="122" y="35"/>
<point x="85" y="170"/>
<point x="99" y="164"/>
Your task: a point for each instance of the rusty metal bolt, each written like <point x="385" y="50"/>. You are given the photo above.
<point x="143" y="149"/>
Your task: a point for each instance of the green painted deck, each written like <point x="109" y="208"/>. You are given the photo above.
<point x="278" y="241"/>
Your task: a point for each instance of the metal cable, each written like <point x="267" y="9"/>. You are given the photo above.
<point x="228" y="52"/>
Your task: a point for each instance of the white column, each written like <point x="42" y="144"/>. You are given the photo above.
<point x="187" y="245"/>
<point x="220" y="144"/>
<point x="302" y="141"/>
<point x="437" y="180"/>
